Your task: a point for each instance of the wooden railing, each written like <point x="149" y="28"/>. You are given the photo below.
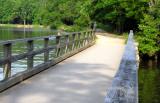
<point x="63" y="46"/>
<point x="124" y="88"/>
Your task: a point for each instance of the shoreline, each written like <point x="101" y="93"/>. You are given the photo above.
<point x="23" y="26"/>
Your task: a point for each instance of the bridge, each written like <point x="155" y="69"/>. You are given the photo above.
<point x="82" y="70"/>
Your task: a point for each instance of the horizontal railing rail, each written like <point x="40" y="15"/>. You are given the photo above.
<point x="54" y="49"/>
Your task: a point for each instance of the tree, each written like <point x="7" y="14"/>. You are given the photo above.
<point x="7" y="10"/>
<point x="25" y="10"/>
<point x="149" y="35"/>
<point x="121" y="15"/>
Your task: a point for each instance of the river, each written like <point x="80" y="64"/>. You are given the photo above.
<point x="149" y="82"/>
<point x="20" y="33"/>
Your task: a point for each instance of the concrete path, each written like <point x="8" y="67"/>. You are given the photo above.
<point x="83" y="78"/>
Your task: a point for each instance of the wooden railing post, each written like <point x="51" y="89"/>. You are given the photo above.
<point x="73" y="41"/>
<point x="89" y="36"/>
<point x="92" y="35"/>
<point x="7" y="54"/>
<point x="58" y="45"/>
<point x="76" y="41"/>
<point x="83" y="42"/>
<point x="79" y="40"/>
<point x="46" y="53"/>
<point x="85" y="38"/>
<point x="30" y="47"/>
<point x="67" y="43"/>
<point x="94" y="31"/>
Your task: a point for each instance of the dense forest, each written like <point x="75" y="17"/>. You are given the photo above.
<point x="143" y="16"/>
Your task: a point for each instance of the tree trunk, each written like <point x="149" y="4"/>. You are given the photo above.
<point x="24" y="22"/>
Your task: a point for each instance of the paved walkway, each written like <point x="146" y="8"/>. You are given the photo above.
<point x="83" y="78"/>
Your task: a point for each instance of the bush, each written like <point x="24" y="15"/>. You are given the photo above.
<point x="148" y="36"/>
<point x="55" y="24"/>
<point x="72" y="28"/>
<point x="82" y="21"/>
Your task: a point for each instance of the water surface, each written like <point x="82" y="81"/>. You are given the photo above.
<point x="17" y="33"/>
<point x="149" y="82"/>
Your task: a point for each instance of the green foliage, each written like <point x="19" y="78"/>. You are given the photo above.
<point x="113" y="13"/>
<point x="149" y="36"/>
<point x="119" y="14"/>
<point x="71" y="28"/>
<point x="72" y="15"/>
<point x="6" y="10"/>
<point x="24" y="10"/>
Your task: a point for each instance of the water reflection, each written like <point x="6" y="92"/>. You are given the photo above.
<point x="20" y="47"/>
<point x="17" y="33"/>
<point x="149" y="82"/>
